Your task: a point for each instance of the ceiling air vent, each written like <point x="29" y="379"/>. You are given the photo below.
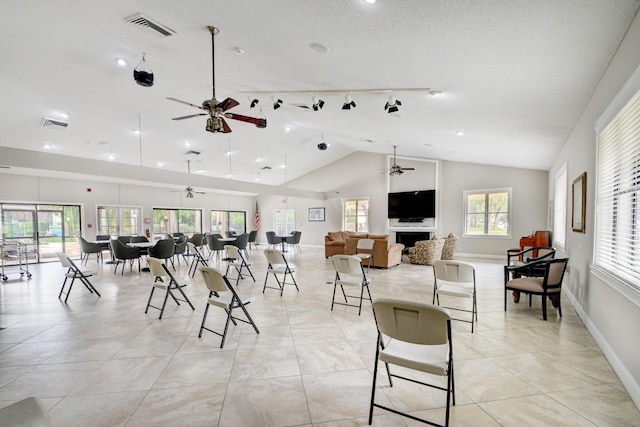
<point x="265" y="168"/>
<point x="53" y="123"/>
<point x="149" y="25"/>
<point x="192" y="153"/>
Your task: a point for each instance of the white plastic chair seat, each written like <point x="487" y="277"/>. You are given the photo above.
<point x="87" y="273"/>
<point x="355" y="281"/>
<point x="455" y="289"/>
<point x="280" y="269"/>
<point x="426" y="358"/>
<point x="225" y="301"/>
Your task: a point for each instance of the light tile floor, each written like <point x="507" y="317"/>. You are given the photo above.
<point x="104" y="362"/>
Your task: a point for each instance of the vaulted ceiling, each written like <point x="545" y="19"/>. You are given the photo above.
<point x="513" y="76"/>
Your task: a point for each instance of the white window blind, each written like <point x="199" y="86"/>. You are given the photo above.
<point x="560" y="208"/>
<point x="617" y="233"/>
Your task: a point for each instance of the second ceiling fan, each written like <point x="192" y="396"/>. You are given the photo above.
<point x="395" y="168"/>
<point x="217" y="111"/>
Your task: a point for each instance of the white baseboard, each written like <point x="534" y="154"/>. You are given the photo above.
<point x="627" y="380"/>
<point x="479" y="256"/>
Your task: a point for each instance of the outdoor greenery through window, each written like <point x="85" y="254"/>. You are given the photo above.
<point x="356" y="215"/>
<point x="284" y="221"/>
<point x="119" y="220"/>
<point x="617" y="231"/>
<point x="187" y="221"/>
<point x="487" y="212"/>
<point x="225" y="222"/>
<point x="57" y="230"/>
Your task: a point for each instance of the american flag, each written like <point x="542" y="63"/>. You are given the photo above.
<point x="256" y="224"/>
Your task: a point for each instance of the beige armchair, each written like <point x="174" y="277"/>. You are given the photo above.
<point x="426" y="252"/>
<point x="385" y="253"/>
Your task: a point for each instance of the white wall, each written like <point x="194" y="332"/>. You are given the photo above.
<point x="611" y="316"/>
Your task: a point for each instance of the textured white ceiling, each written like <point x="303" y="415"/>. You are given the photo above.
<point x="515" y="76"/>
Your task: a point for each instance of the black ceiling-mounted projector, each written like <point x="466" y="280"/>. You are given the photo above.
<point x="143" y="78"/>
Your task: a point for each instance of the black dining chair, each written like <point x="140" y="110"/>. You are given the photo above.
<point x="89" y="248"/>
<point x="241" y="242"/>
<point x="123" y="253"/>
<point x="181" y="248"/>
<point x="253" y="236"/>
<point x="215" y="245"/>
<point x="164" y="250"/>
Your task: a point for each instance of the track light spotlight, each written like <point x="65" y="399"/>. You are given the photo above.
<point x="276" y="102"/>
<point x="254" y="102"/>
<point x="392" y="104"/>
<point x="317" y="103"/>
<point x="348" y="103"/>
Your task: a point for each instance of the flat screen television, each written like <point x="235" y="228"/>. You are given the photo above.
<point x="412" y="206"/>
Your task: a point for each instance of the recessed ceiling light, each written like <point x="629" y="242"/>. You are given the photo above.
<point x="64" y="115"/>
<point x="287" y="129"/>
<point x="238" y="50"/>
<point x="319" y="47"/>
<point x="160" y="164"/>
<point x="47" y="146"/>
<point x="111" y="157"/>
<point x="187" y="144"/>
<point x="103" y="143"/>
<point x="259" y="159"/>
<point x="435" y="93"/>
<point x="370" y="1"/>
<point x="121" y="62"/>
<point x="460" y="132"/>
<point x="136" y="131"/>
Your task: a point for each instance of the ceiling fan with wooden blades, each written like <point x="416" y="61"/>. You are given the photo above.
<point x="395" y="168"/>
<point x="217" y="111"/>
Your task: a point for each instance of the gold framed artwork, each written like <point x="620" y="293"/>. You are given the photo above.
<point x="579" y="205"/>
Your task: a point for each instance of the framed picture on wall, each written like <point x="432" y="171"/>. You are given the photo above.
<point x="579" y="198"/>
<point x="316" y="214"/>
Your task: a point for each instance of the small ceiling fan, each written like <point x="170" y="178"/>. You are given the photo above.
<point x="189" y="191"/>
<point x="395" y="168"/>
<point x="217" y="110"/>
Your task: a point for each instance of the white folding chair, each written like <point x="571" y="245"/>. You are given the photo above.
<point x="415" y="336"/>
<point x="457" y="279"/>
<point x="222" y="294"/>
<point x="198" y="258"/>
<point x="73" y="273"/>
<point x="238" y="262"/>
<point x="165" y="281"/>
<point x="278" y="265"/>
<point x="364" y="251"/>
<point x="349" y="272"/>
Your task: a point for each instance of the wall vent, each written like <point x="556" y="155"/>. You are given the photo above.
<point x="53" y="123"/>
<point x="149" y="25"/>
<point x="192" y="153"/>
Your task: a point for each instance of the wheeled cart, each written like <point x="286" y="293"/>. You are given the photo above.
<point x="16" y="254"/>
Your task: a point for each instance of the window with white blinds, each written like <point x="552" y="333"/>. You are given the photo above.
<point x="617" y="232"/>
<point x="560" y="208"/>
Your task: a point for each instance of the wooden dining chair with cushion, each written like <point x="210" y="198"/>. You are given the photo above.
<point x="349" y="273"/>
<point x="164" y="281"/>
<point x="415" y="336"/>
<point x="456" y="279"/>
<point x="278" y="265"/>
<point x="547" y="286"/>
<point x="223" y="295"/>
<point x="73" y="273"/>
